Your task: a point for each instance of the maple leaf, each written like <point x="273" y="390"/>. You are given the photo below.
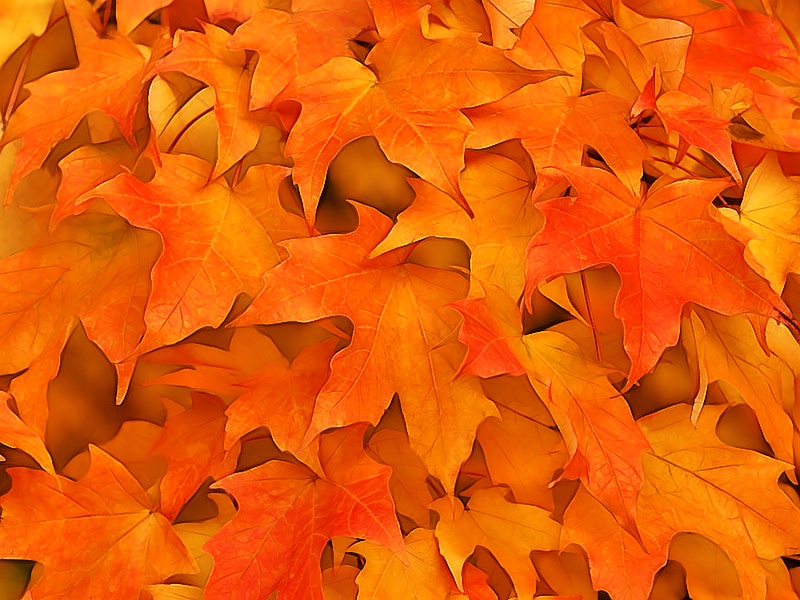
<point x="419" y="574"/>
<point x="209" y="368"/>
<point x="29" y="389"/>
<point x="521" y="448"/>
<point x="663" y="43"/>
<point x="551" y="39"/>
<point x="287" y="514"/>
<point x="771" y="208"/>
<point x="94" y="267"/>
<point x="250" y="370"/>
<point x="613" y="60"/>
<point x="646" y="240"/>
<point x="695" y="122"/>
<point x="259" y="188"/>
<point x="42" y="510"/>
<point x="202" y="269"/>
<point x="626" y="54"/>
<point x="292" y="390"/>
<point x="604" y="441"/>
<point x="514" y="464"/>
<point x="405" y="103"/>
<point x="393" y="349"/>
<point x="730" y="47"/>
<point x="108" y="78"/>
<point x="691" y="475"/>
<point x="85" y="169"/>
<point x="409" y="481"/>
<point x="510" y="531"/>
<point x="297" y="42"/>
<point x="205" y="56"/>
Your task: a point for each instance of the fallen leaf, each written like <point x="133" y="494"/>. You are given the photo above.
<point x="283" y="505"/>
<point x="108" y="79"/>
<point x="106" y="516"/>
<point x="205" y="56"/>
<point x="771" y="208"/>
<point x="419" y="574"/>
<point x="648" y="239"/>
<point x="201" y="270"/>
<point x="498" y="191"/>
<point x="442" y="412"/>
<point x="604" y="442"/>
<point x="564" y="125"/>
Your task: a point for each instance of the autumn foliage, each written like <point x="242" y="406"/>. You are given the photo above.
<point x="399" y="299"/>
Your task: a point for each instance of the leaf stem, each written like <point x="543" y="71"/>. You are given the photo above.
<point x="789" y="321"/>
<point x="236" y="174"/>
<point x="186" y="127"/>
<point x="672" y="163"/>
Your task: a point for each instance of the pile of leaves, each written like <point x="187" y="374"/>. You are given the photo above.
<point x="399" y="299"/>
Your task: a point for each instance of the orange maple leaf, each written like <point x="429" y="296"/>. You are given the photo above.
<point x="108" y="78"/>
<point x="666" y="246"/>
<point x="43" y="512"/>
<point x="287" y="514"/>
<point x="201" y="269"/>
<point x="417" y="347"/>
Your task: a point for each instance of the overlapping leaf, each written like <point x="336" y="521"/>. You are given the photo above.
<point x="408" y="96"/>
<point x="648" y="239"/>
<point x="434" y="403"/>
<point x="44" y="510"/>
<point x="201" y="269"/>
<point x="393" y="349"/>
<point x="690" y="473"/>
<point x="604" y="441"/>
<point x="108" y="78"/>
<point x="287" y="514"/>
